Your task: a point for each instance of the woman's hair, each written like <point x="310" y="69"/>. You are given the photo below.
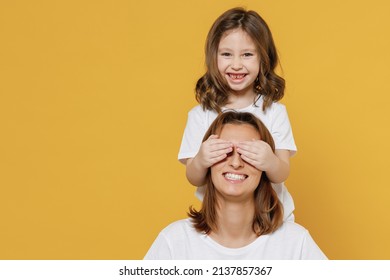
<point x="268" y="215"/>
<point x="212" y="89"/>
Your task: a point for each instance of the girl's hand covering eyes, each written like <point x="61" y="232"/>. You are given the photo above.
<point x="213" y="150"/>
<point x="258" y="154"/>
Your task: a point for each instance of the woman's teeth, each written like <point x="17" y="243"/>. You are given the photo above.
<point x="231" y="176"/>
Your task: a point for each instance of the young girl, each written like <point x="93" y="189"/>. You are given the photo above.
<point x="240" y="59"/>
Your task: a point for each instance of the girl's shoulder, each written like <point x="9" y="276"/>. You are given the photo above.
<point x="198" y="112"/>
<point x="275" y="106"/>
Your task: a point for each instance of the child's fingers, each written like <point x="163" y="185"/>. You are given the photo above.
<point x="252" y="146"/>
<point x="214" y="153"/>
<point x="218" y="153"/>
<point x="249" y="160"/>
<point x="219" y="158"/>
<point x="221" y="147"/>
<point x="214" y="157"/>
<point x="246" y="145"/>
<point x="214" y="140"/>
<point x="248" y="155"/>
<point x="247" y="150"/>
<point x="215" y="146"/>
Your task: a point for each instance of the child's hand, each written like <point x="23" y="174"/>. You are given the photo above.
<point x="257" y="153"/>
<point x="213" y="150"/>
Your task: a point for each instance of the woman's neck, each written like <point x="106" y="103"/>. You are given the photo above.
<point x="234" y="224"/>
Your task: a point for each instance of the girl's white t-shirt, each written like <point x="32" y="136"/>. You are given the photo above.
<point x="181" y="241"/>
<point x="275" y="118"/>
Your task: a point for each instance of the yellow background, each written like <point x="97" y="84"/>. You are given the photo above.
<point x="94" y="98"/>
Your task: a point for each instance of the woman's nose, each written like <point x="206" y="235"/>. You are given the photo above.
<point x="235" y="159"/>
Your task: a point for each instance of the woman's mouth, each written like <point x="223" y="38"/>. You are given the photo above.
<point x="234" y="177"/>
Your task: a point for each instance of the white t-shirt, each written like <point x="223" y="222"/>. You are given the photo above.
<point x="181" y="241"/>
<point x="275" y="118"/>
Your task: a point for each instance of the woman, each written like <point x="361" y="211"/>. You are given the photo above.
<point x="241" y="216"/>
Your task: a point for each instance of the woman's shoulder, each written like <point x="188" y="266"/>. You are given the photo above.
<point x="298" y="239"/>
<point x="292" y="230"/>
<point x="293" y="226"/>
<point x="179" y="227"/>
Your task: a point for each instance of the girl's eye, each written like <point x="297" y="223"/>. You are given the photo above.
<point x="225" y="54"/>
<point x="248" y="54"/>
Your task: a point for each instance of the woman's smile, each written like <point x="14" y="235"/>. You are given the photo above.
<point x="234" y="178"/>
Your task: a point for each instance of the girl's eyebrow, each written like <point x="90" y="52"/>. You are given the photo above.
<point x="243" y="50"/>
<point x="224" y="49"/>
<point x="248" y="50"/>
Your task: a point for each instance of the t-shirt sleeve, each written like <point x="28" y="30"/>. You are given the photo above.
<point x="287" y="201"/>
<point x="193" y="134"/>
<point x="310" y="250"/>
<point x="281" y="130"/>
<point x="159" y="250"/>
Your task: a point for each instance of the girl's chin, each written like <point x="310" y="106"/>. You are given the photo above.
<point x="239" y="89"/>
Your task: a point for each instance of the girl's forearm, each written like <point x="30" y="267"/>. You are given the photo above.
<point x="279" y="173"/>
<point x="281" y="168"/>
<point x="196" y="174"/>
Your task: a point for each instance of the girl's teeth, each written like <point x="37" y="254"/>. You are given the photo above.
<point x="237" y="76"/>
<point x="232" y="176"/>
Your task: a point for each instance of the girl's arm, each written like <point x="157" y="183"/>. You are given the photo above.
<point x="280" y="171"/>
<point x="259" y="154"/>
<point x="195" y="173"/>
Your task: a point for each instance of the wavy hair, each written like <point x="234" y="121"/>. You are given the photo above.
<point x="212" y="90"/>
<point x="268" y="214"/>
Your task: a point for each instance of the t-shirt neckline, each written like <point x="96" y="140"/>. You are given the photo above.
<point x="250" y="108"/>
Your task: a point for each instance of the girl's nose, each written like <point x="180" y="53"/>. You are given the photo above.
<point x="236" y="63"/>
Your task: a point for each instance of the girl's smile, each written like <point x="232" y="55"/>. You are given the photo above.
<point x="236" y="77"/>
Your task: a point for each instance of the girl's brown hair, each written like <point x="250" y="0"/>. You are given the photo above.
<point x="212" y="89"/>
<point x="268" y="214"/>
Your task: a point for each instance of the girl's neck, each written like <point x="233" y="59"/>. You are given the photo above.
<point x="234" y="224"/>
<point x="239" y="100"/>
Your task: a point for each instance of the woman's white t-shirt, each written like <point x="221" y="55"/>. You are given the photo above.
<point x="181" y="241"/>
